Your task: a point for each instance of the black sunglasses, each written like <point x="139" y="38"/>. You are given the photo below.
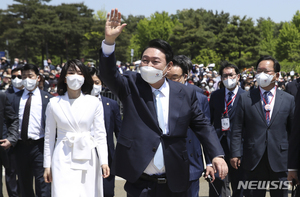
<point x="14" y="76"/>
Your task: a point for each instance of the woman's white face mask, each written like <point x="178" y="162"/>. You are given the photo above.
<point x="75" y="81"/>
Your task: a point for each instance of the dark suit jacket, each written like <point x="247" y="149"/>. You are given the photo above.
<point x="294" y="145"/>
<point x="217" y="108"/>
<point x="12" y="123"/>
<point x="45" y="100"/>
<point x="112" y="120"/>
<point x="140" y="134"/>
<point x="292" y="87"/>
<point x="193" y="145"/>
<point x="258" y="135"/>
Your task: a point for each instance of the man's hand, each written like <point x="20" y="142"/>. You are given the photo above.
<point x="235" y="162"/>
<point x="113" y="27"/>
<point x="293" y="175"/>
<point x="210" y="171"/>
<point x="48" y="175"/>
<point x="220" y="166"/>
<point x="105" y="170"/>
<point x="5" y="143"/>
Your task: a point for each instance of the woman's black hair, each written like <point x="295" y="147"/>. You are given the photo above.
<point x="87" y="86"/>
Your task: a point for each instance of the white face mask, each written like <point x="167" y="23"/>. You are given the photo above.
<point x="17" y="83"/>
<point x="229" y="83"/>
<point x="151" y="74"/>
<point x="75" y="82"/>
<point x="244" y="78"/>
<point x="247" y="88"/>
<point x="29" y="84"/>
<point x="210" y="84"/>
<point x="96" y="90"/>
<point x="263" y="79"/>
<point x="16" y="62"/>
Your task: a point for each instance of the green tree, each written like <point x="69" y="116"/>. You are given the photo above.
<point x="206" y="57"/>
<point x="288" y="45"/>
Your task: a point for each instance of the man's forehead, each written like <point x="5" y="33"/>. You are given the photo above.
<point x="154" y="53"/>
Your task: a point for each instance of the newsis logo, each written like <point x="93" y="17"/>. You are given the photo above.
<point x="264" y="185"/>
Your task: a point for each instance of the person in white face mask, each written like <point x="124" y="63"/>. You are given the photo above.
<point x="223" y="105"/>
<point x="30" y="104"/>
<point x="74" y="156"/>
<point x="16" y="81"/>
<point x="263" y="119"/>
<point x="151" y="151"/>
<point x="113" y="121"/>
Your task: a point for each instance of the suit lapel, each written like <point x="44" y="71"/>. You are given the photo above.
<point x="66" y="109"/>
<point x="106" y="109"/>
<point x="145" y="94"/>
<point x="18" y="96"/>
<point x="222" y="99"/>
<point x="175" y="103"/>
<point x="278" y="100"/>
<point x="256" y="101"/>
<point x="232" y="111"/>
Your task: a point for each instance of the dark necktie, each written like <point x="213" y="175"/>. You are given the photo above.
<point x="25" y="121"/>
<point x="230" y="94"/>
<point x="267" y="112"/>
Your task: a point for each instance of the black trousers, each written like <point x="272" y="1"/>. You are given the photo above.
<point x="143" y="188"/>
<point x="29" y="156"/>
<point x="11" y="174"/>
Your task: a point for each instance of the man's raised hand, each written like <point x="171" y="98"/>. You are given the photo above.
<point x="113" y="27"/>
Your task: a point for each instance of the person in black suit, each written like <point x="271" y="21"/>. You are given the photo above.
<point x="180" y="73"/>
<point x="263" y="119"/>
<point x="151" y="148"/>
<point x="30" y="147"/>
<point x="292" y="87"/>
<point x="10" y="118"/>
<point x="112" y="120"/>
<point x="223" y="103"/>
<point x="11" y="171"/>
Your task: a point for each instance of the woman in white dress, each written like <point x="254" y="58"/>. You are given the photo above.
<point x="72" y="156"/>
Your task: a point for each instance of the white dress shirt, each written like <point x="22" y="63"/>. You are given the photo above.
<point x="35" y="129"/>
<point x="164" y="98"/>
<point x="269" y="97"/>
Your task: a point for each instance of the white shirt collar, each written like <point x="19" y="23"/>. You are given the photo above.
<point x="35" y="92"/>
<point x="163" y="89"/>
<point x="263" y="91"/>
<point x="234" y="91"/>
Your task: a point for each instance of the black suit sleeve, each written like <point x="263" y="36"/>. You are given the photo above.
<point x="294" y="146"/>
<point x="12" y="122"/>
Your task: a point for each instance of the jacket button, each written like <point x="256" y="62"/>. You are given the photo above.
<point x="190" y="141"/>
<point x="154" y="149"/>
<point x="191" y="154"/>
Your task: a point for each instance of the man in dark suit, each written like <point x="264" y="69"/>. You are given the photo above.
<point x="151" y="150"/>
<point x="112" y="121"/>
<point x="223" y="103"/>
<point x="11" y="171"/>
<point x="180" y="73"/>
<point x="12" y="124"/>
<point x="292" y="87"/>
<point x="31" y="104"/>
<point x="264" y="119"/>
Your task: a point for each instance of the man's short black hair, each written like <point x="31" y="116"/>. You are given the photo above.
<point x="163" y="46"/>
<point x="183" y="62"/>
<point x="30" y="67"/>
<point x="226" y="64"/>
<point x="17" y="69"/>
<point x="268" y="57"/>
<point x="93" y="71"/>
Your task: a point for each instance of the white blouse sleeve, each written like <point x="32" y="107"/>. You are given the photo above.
<point x="50" y="132"/>
<point x="100" y="134"/>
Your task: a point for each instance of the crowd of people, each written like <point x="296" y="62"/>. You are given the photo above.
<point x="58" y="129"/>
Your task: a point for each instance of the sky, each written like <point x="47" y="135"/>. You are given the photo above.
<point x="277" y="10"/>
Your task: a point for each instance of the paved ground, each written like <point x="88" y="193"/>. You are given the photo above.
<point x="119" y="188"/>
